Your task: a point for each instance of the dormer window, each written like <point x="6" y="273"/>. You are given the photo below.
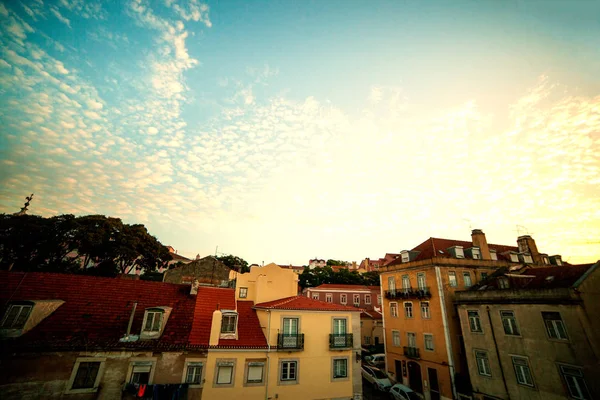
<point x="503" y="282"/>
<point x="229" y="322"/>
<point x="459" y="252"/>
<point x="493" y="255"/>
<point x="476" y="253"/>
<point x="514" y="257"/>
<point x="16" y="316"/>
<point x="405" y="256"/>
<point x="527" y="258"/>
<point x="155" y="320"/>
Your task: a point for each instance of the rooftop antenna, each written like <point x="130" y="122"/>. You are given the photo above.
<point x="25" y="207"/>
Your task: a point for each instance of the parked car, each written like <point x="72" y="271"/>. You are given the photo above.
<point x="376" y="377"/>
<point x="376" y="360"/>
<point x="401" y="392"/>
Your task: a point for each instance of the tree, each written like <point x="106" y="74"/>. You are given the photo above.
<point x="235" y="263"/>
<point x="318" y="276"/>
<point x="339" y="263"/>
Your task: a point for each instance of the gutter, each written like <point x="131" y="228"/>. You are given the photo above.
<point x="438" y="277"/>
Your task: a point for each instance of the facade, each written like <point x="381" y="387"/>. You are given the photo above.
<point x="207" y="271"/>
<point x="534" y="335"/>
<point x="423" y="339"/>
<point x="371" y="326"/>
<point x="317" y="262"/>
<point x="298" y="269"/>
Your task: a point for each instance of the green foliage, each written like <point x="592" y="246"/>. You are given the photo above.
<point x="318" y="276"/>
<point x="235" y="263"/>
<point x="91" y="244"/>
<point x="332" y="263"/>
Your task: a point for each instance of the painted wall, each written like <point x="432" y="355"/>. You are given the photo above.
<point x="372" y="329"/>
<point x="267" y="283"/>
<point x="46" y="375"/>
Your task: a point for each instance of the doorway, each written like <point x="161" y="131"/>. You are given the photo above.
<point x="434" y="386"/>
<point x="414" y="377"/>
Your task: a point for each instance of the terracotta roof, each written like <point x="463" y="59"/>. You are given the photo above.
<point x="437" y="248"/>
<point x="339" y="286"/>
<point x="547" y="277"/>
<point x="378" y="288"/>
<point x="373" y="314"/>
<point x="291" y="266"/>
<point x="303" y="303"/>
<point x="250" y="334"/>
<point x="96" y="311"/>
<point x="177" y="257"/>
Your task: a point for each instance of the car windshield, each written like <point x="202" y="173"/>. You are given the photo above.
<point x="379" y="374"/>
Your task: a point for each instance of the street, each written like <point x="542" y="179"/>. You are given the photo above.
<point x="369" y="392"/>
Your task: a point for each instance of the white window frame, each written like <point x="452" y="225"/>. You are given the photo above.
<point x="194" y="363"/>
<point x="411" y="339"/>
<point x="425" y="310"/>
<point x="405" y="256"/>
<point x="408" y="309"/>
<point x="243" y="292"/>
<point x="554" y="324"/>
<point x="229" y="315"/>
<point x="452" y="281"/>
<point x="315" y="296"/>
<point x="579" y="383"/>
<point x="394" y="309"/>
<point x="425" y="337"/>
<point x="78" y="361"/>
<point x="406" y="283"/>
<point x="392" y="284"/>
<point x="522" y="363"/>
<point x="224" y="363"/>
<point x="509" y="317"/>
<point x="142" y="362"/>
<point x="287" y="381"/>
<point x="356" y="299"/>
<point x="493" y="255"/>
<point x="476" y="253"/>
<point x="367" y="299"/>
<point x="483" y="363"/>
<point x="421" y="280"/>
<point x="251" y="363"/>
<point x="514" y="257"/>
<point x="396" y="338"/>
<point x="474" y="320"/>
<point x="344" y="298"/>
<point x="329" y="297"/>
<point x="335" y="378"/>
<point x="153" y="312"/>
<point x="467" y="276"/>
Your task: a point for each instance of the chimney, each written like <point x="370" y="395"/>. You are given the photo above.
<point x="479" y="240"/>
<point x="215" y="327"/>
<point x="527" y="245"/>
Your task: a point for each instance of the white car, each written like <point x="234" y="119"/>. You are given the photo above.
<point x="376" y="377"/>
<point x="401" y="392"/>
<point x="376" y="360"/>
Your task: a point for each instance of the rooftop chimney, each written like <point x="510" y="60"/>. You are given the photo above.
<point x="215" y="328"/>
<point x="479" y="240"/>
<point x="527" y="245"/>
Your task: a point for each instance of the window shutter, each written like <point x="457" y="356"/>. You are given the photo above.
<point x="224" y="375"/>
<point x="255" y="373"/>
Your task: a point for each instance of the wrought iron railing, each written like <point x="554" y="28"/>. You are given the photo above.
<point x="293" y="341"/>
<point x="408" y="293"/>
<point x="340" y="340"/>
<point x="411" y="352"/>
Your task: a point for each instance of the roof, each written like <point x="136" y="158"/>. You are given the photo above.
<point x="250" y="334"/>
<point x="339" y="286"/>
<point x="545" y="277"/>
<point x="291" y="266"/>
<point x="437" y="248"/>
<point x="373" y="314"/>
<point x="177" y="257"/>
<point x="303" y="303"/>
<point x="96" y="311"/>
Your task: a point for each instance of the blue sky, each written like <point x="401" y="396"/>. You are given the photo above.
<point x="281" y="131"/>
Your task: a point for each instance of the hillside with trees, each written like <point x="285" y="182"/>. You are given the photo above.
<point x="318" y="276"/>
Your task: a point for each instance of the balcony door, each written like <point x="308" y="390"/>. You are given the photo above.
<point x="339" y="332"/>
<point x="421" y="281"/>
<point x="290" y="332"/>
<point x="405" y="283"/>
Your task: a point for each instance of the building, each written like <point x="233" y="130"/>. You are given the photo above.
<point x="534" y="335"/>
<point x="314" y="345"/>
<point x="366" y="298"/>
<point x="298" y="269"/>
<point x="207" y="271"/>
<point x="316" y="263"/>
<point x="423" y="339"/>
<point x="178" y="258"/>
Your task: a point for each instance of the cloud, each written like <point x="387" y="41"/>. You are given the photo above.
<point x="60" y="17"/>
<point x="152" y="131"/>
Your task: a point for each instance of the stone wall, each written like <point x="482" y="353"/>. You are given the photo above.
<point x="207" y="270"/>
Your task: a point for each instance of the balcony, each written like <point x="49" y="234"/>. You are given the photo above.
<point x="412" y="352"/>
<point x="408" y="293"/>
<point x="290" y="342"/>
<point x="340" y="340"/>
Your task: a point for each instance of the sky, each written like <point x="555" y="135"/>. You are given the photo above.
<point x="281" y="131"/>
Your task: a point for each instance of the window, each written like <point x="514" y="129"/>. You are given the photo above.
<point x="459" y="252"/>
<point x="425" y="313"/>
<point x="243" y="292"/>
<point x="86" y="375"/>
<point x="421" y="280"/>
<point x="367" y="339"/>
<point x="329" y="297"/>
<point x="493" y="255"/>
<point x="224" y="373"/>
<point x="343" y="298"/>
<point x="408" y="311"/>
<point x="452" y="278"/>
<point x="394" y="309"/>
<point x="412" y="339"/>
<point x="476" y="254"/>
<point x="193" y="373"/>
<point x="255" y="372"/>
<point x="356" y="298"/>
<point x="288" y="370"/>
<point x="152" y="320"/>
<point x="575" y="382"/>
<point x="474" y="321"/>
<point x="378" y="299"/>
<point x="140" y="372"/>
<point x="503" y="282"/>
<point x="484" y="276"/>
<point x="228" y="323"/>
<point x="428" y="341"/>
<point x="514" y="257"/>
<point x="396" y="338"/>
<point x="509" y="322"/>
<point x="405" y="256"/>
<point x="554" y="325"/>
<point x="315" y="296"/>
<point x="483" y="363"/>
<point x="522" y="371"/>
<point x="405" y="282"/>
<point x="16" y="316"/>
<point x="367" y="299"/>
<point x="340" y="368"/>
<point x="391" y="284"/>
<point x="467" y="279"/>
<point x="527" y="258"/>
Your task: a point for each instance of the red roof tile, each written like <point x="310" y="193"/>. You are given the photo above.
<point x="96" y="311"/>
<point x="340" y="286"/>
<point x="373" y="314"/>
<point x="303" y="303"/>
<point x="562" y="277"/>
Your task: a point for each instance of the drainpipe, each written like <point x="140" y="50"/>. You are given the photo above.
<point x="487" y="308"/>
<point x="268" y="355"/>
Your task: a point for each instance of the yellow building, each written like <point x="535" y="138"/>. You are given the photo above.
<point x="311" y="350"/>
<point x="423" y="341"/>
